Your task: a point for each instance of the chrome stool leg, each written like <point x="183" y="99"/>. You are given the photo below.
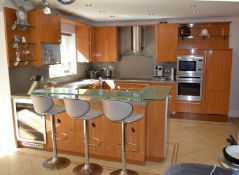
<point x="123" y="171"/>
<point x="55" y="163"/>
<point x="87" y="168"/>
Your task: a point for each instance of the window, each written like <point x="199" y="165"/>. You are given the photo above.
<point x="68" y="64"/>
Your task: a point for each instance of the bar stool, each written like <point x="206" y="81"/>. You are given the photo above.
<point x="44" y="105"/>
<point x="77" y="108"/>
<point x="121" y="111"/>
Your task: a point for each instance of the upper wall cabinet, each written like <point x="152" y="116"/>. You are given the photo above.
<point x="50" y="28"/>
<point x="104" y="44"/>
<point x="24" y="42"/>
<point x="83" y="42"/>
<point x="167" y="42"/>
<point x="204" y="35"/>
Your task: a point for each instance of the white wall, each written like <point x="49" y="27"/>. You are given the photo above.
<point x="6" y="124"/>
<point x="234" y="43"/>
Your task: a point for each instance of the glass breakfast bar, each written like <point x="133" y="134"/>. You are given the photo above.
<point x="149" y="134"/>
<point x="147" y="93"/>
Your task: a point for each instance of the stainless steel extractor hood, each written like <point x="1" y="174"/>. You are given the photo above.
<point x="137" y="43"/>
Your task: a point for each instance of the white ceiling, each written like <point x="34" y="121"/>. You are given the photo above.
<point x="140" y="9"/>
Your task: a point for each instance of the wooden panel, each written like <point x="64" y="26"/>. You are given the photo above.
<point x="93" y="44"/>
<point x="104" y="44"/>
<point x="130" y="86"/>
<point x="217" y="102"/>
<point x="167" y="42"/>
<point x="29" y="34"/>
<point x="155" y="130"/>
<point x="200" y="52"/>
<point x="172" y="99"/>
<point x="51" y="23"/>
<point x="218" y="70"/>
<point x="82" y="43"/>
<point x="191" y="107"/>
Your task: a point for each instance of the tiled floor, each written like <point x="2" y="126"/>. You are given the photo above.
<point x="190" y="141"/>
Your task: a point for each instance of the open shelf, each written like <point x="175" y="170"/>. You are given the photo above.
<point x="204" y="37"/>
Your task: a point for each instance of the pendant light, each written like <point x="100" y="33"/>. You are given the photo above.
<point x="47" y="10"/>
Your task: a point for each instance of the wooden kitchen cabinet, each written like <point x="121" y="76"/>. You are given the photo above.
<point x="167" y="42"/>
<point x="50" y="28"/>
<point x="83" y="42"/>
<point x="217" y="81"/>
<point x="104" y="44"/>
<point x="42" y="29"/>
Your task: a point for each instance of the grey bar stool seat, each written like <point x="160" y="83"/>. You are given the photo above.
<point x="77" y="108"/>
<point x="121" y="111"/>
<point x="44" y="105"/>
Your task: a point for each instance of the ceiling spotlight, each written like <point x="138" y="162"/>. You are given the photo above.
<point x="150" y="13"/>
<point x="112" y="16"/>
<point x="46" y="9"/>
<point x="66" y="2"/>
<point x="101" y="11"/>
<point x="194" y="11"/>
<point x="88" y="5"/>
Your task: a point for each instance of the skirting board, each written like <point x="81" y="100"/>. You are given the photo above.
<point x="233" y="114"/>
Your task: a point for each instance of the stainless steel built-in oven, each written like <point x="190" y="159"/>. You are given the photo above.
<point x="190" y="64"/>
<point x="189" y="88"/>
<point x="30" y="127"/>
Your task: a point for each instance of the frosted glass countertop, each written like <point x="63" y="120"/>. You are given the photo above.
<point x="148" y="93"/>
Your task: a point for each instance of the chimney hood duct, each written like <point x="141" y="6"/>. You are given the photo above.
<point x="136" y="40"/>
<point x="137" y="43"/>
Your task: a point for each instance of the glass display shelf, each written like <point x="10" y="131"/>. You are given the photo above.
<point x="204" y="37"/>
<point x="22" y="27"/>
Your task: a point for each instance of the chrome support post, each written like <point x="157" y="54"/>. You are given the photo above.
<point x="53" y="137"/>
<point x="55" y="163"/>
<point x="87" y="168"/>
<point x="86" y="139"/>
<point x="123" y="151"/>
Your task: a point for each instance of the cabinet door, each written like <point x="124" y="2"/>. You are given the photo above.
<point x="104" y="44"/>
<point x="167" y="42"/>
<point x="216" y="102"/>
<point x="217" y="81"/>
<point x="136" y="134"/>
<point x="50" y="28"/>
<point x="74" y="140"/>
<point x="82" y="43"/>
<point x="218" y="69"/>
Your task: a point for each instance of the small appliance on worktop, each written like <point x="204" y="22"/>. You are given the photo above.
<point x="158" y="73"/>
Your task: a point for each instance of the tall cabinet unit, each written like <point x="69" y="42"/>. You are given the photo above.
<point x="214" y="46"/>
<point x="167" y="42"/>
<point x="217" y="81"/>
<point x="104" y="44"/>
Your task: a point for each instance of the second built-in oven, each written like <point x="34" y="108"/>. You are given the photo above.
<point x="189" y="88"/>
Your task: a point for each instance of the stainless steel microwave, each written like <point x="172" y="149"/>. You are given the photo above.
<point x="190" y="64"/>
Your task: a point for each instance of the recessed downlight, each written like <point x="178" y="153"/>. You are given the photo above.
<point x="194" y="11"/>
<point x="101" y="11"/>
<point x="88" y="5"/>
<point x="112" y="16"/>
<point x="150" y="13"/>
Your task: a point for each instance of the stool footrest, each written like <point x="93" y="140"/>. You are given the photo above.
<point x="61" y="136"/>
<point x="97" y="142"/>
<point x="131" y="147"/>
